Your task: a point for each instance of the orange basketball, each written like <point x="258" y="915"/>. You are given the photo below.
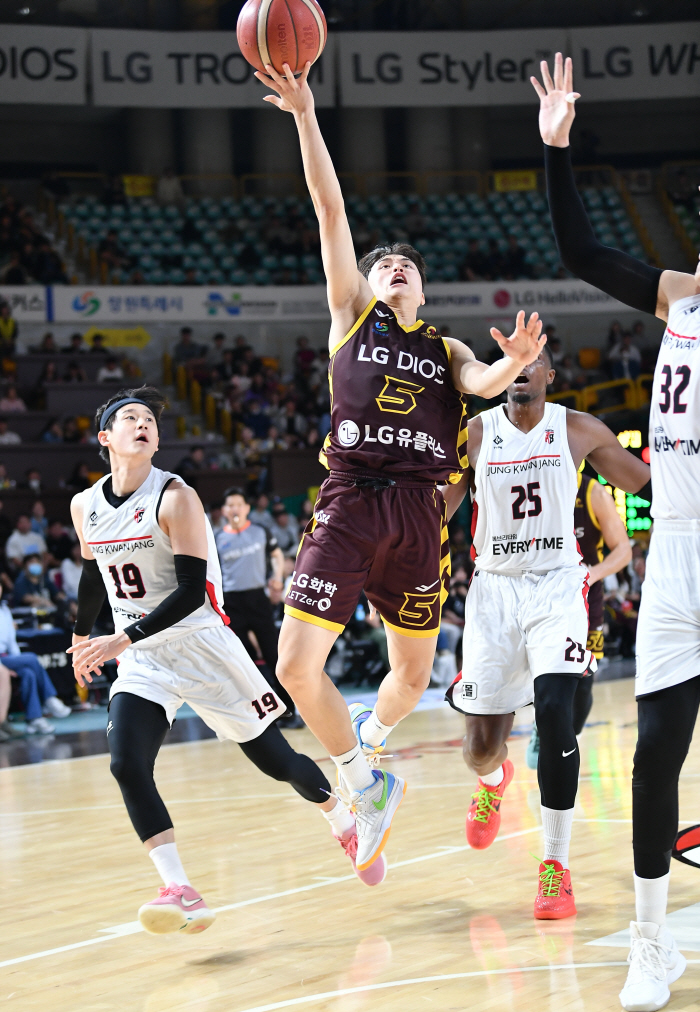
<point x="281" y="31"/>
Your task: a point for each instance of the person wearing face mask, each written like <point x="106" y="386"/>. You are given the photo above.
<point x="37" y="689"/>
<point x="23" y="541"/>
<point x="34" y="589"/>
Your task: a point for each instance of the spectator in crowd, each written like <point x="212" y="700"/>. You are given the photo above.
<point x="554" y="343"/>
<point x="75" y="374"/>
<point x="36" y="688"/>
<point x="47" y="345"/>
<point x="625" y="358"/>
<point x="34" y="588"/>
<point x="71" y="568"/>
<point x="194" y="461"/>
<point x="80" y="479"/>
<point x="110" y="372"/>
<point x="58" y="543"/>
<point x="476" y="265"/>
<point x="98" y="345"/>
<point x="7" y="437"/>
<point x="261" y="514"/>
<point x="48" y="268"/>
<point x="186" y="352"/>
<point x="38" y="519"/>
<point x="293" y="422"/>
<point x="273" y="441"/>
<point x="71" y="432"/>
<point x="32" y="480"/>
<point x="75" y="345"/>
<point x="11" y="401"/>
<point x="169" y="189"/>
<point x="513" y="261"/>
<point x="23" y="542"/>
<point x="215" y="358"/>
<point x="256" y="420"/>
<point x="285" y="529"/>
<point x="614" y="334"/>
<point x="9" y="331"/>
<point x="8" y="731"/>
<point x="14" y="273"/>
<point x="53" y="433"/>
<point x="216" y="517"/>
<point x="5" y="480"/>
<point x="111" y="253"/>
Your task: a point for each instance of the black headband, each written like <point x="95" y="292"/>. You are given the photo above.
<point x="108" y="412"/>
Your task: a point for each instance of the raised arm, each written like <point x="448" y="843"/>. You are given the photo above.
<point x="614" y="534"/>
<point x="348" y="291"/>
<point x="618" y="274"/>
<point x="591" y="439"/>
<point x="523" y="346"/>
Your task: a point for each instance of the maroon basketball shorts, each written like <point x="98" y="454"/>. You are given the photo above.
<point x="390" y="542"/>
<point x="596" y="617"/>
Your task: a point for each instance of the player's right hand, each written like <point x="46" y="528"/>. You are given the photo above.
<point x="557" y="98"/>
<point x="293" y="93"/>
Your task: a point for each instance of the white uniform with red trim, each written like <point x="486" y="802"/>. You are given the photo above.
<point x="668" y="628"/>
<point x="198" y="660"/>
<point x="526" y="612"/>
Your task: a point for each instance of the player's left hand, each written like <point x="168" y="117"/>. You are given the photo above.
<point x="90" y="655"/>
<point x="526" y="342"/>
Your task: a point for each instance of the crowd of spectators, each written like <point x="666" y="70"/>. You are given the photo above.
<point x="26" y="254"/>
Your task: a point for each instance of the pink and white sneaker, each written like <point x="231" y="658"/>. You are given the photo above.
<point x="372" y="876"/>
<point x="176" y="908"/>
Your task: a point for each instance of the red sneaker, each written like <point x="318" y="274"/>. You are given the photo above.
<point x="555" y="896"/>
<point x="484" y="815"/>
<point x="372" y="876"/>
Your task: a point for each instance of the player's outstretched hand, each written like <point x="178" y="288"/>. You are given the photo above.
<point x="293" y="93"/>
<point x="526" y="342"/>
<point x="90" y="654"/>
<point x="557" y="98"/>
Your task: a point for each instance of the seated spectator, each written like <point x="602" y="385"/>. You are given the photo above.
<point x="36" y="688"/>
<point x="186" y="352"/>
<point x="558" y="353"/>
<point x="75" y="346"/>
<point x="215" y="357"/>
<point x="111" y="371"/>
<point x="5" y="480"/>
<point x="293" y="423"/>
<point x="32" y="480"/>
<point x="111" y="253"/>
<point x="513" y="261"/>
<point x="241" y="381"/>
<point x="285" y="529"/>
<point x="48" y="268"/>
<point x="303" y="357"/>
<point x="625" y="358"/>
<point x="493" y="260"/>
<point x="10" y="401"/>
<point x="38" y="519"/>
<point x="261" y="515"/>
<point x="8" y="331"/>
<point x="47" y="345"/>
<point x="98" y="344"/>
<point x="169" y="189"/>
<point x="58" y="542"/>
<point x="273" y="441"/>
<point x="80" y="479"/>
<point x="476" y="265"/>
<point x="7" y="437"/>
<point x="74" y="374"/>
<point x="194" y="461"/>
<point x="256" y="420"/>
<point x="34" y="588"/>
<point x="14" y="273"/>
<point x="23" y="542"/>
<point x="313" y="439"/>
<point x="246" y="449"/>
<point x="53" y="433"/>
<point x="71" y="568"/>
<point x="71" y="432"/>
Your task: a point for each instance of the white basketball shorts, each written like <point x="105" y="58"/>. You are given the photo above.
<point x="516" y="628"/>
<point x="212" y="672"/>
<point x="668" y="627"/>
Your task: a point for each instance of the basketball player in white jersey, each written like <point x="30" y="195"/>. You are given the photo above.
<point x="526" y="612"/>
<point x="148" y="546"/>
<point x="668" y="630"/>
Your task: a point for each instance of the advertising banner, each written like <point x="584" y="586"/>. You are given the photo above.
<point x="184" y="70"/>
<point x="27" y="302"/>
<point x="43" y="64"/>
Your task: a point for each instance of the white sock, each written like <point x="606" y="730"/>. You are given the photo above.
<point x="651" y="896"/>
<point x="168" y="864"/>
<point x="557" y="834"/>
<point x="340" y="818"/>
<point x="373" y="732"/>
<point x="354" y="769"/>
<point x="493" y="779"/>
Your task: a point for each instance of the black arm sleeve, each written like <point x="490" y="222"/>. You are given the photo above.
<point x="619" y="275"/>
<point x="91" y="595"/>
<point x="189" y="595"/>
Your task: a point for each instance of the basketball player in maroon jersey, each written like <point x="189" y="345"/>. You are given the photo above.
<point x="398" y="428"/>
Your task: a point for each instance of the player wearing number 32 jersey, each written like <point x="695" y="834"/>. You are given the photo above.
<point x="526" y="613"/>
<point x="148" y="546"/>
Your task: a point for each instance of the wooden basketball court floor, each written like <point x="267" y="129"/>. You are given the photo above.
<point x="450" y="928"/>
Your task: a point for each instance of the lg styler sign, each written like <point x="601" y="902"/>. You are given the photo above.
<point x="44" y="65"/>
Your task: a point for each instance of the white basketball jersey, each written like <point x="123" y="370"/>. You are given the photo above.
<point x="526" y="486"/>
<point x="136" y="559"/>
<point x="674" y="419"/>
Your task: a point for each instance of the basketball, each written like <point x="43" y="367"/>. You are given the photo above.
<point x="281" y="31"/>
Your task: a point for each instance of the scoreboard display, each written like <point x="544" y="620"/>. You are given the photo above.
<point x="633" y="510"/>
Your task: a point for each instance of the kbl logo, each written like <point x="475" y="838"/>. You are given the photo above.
<point x="381" y="328"/>
<point x="86" y="304"/>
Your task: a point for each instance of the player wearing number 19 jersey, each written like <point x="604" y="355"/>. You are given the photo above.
<point x="147" y="544"/>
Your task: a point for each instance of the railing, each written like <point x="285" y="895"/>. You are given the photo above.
<point x="631" y="207"/>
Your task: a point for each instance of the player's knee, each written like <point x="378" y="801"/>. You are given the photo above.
<point x="126" y="770"/>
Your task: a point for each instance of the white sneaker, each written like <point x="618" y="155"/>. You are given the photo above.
<point x="374" y="809"/>
<point x="54" y="707"/>
<point x="40" y="726"/>
<point x="655" y="962"/>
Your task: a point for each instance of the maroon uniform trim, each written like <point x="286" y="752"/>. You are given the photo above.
<point x="590" y="542"/>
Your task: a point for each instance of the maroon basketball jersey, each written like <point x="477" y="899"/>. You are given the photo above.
<point x="588" y="532"/>
<point x="394" y="407"/>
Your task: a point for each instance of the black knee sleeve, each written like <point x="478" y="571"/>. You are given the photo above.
<point x="665" y="730"/>
<point x="274" y="756"/>
<point x="135" y="733"/>
<point x="558" y="764"/>
<point x="583" y="701"/>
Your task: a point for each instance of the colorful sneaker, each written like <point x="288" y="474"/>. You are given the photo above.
<point x="374" y="809"/>
<point x="372" y="876"/>
<point x="555" y="895"/>
<point x="533" y="749"/>
<point x="358" y="715"/>
<point x="484" y="815"/>
<point x="655" y="962"/>
<point x="176" y="908"/>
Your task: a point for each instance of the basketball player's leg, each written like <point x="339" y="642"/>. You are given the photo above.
<point x="583" y="701"/>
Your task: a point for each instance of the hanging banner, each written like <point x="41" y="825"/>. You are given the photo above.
<point x="181" y="70"/>
<point x="27" y="302"/>
<point x="43" y="64"/>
